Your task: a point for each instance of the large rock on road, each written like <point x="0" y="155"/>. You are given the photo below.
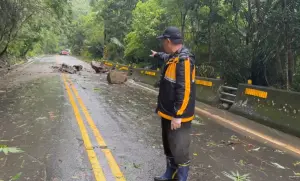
<point x="68" y="69"/>
<point x="116" y="77"/>
<point x="98" y="67"/>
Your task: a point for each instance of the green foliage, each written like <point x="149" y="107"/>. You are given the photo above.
<point x="117" y="18"/>
<point x="30" y="24"/>
<point x="206" y="71"/>
<point x="234" y="39"/>
<point x="5" y="149"/>
<point x="86" y="37"/>
<point x="142" y="39"/>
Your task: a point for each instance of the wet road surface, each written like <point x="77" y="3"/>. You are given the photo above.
<point x="76" y="127"/>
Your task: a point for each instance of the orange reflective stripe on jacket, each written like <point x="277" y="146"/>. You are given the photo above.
<point x="170" y="117"/>
<point x="170" y="74"/>
<point x="187" y="86"/>
<point x="194" y="74"/>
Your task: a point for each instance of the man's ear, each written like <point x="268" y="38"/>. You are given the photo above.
<point x="169" y="41"/>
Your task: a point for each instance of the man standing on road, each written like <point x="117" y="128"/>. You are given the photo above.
<point x="176" y="103"/>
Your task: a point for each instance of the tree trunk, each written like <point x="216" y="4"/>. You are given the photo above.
<point x="291" y="65"/>
<point x="4" y="50"/>
<point x="236" y="20"/>
<point x="291" y="38"/>
<point x="209" y="32"/>
<point x="279" y="65"/>
<point x="259" y="17"/>
<point x="287" y="70"/>
<point x="183" y="20"/>
<point x="255" y="72"/>
<point x="250" y="20"/>
<point x="286" y="46"/>
<point x="105" y="26"/>
<point x="24" y="53"/>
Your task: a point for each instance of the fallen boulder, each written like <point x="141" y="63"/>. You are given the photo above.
<point x="68" y="69"/>
<point x="78" y="67"/>
<point x="99" y="67"/>
<point x="116" y="77"/>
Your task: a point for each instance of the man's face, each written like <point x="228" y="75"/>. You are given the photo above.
<point x="167" y="45"/>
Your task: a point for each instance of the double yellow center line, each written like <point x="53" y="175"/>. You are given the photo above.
<point x="98" y="172"/>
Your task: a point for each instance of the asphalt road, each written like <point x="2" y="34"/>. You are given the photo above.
<point x="77" y="127"/>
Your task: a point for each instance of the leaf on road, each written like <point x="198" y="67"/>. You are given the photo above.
<point x="279" y="151"/>
<point x="16" y="177"/>
<point x="242" y="163"/>
<point x="256" y="149"/>
<point x="136" y="165"/>
<point x="296" y="163"/>
<point x="233" y="141"/>
<point x="278" y="166"/>
<point x="197" y="134"/>
<point x="234" y="138"/>
<point x="297" y="174"/>
<point x="213" y="144"/>
<point x="196" y="122"/>
<point x="40" y="118"/>
<point x="195" y="154"/>
<point x="6" y="150"/>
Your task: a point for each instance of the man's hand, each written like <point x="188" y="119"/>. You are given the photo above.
<point x="153" y="53"/>
<point x="175" y="123"/>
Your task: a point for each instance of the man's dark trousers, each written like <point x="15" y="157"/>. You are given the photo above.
<point x="176" y="142"/>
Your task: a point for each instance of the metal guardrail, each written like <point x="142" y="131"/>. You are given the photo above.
<point x="230" y="88"/>
<point x="227" y="100"/>
<point x="229" y="96"/>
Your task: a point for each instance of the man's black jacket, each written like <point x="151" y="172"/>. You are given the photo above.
<point x="177" y="86"/>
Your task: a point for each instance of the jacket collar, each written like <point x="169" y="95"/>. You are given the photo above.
<point x="178" y="51"/>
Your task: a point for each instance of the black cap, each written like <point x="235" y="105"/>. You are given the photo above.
<point x="173" y="34"/>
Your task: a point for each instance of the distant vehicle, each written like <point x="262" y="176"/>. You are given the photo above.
<point x="65" y="52"/>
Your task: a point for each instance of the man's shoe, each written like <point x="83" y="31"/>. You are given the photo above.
<point x="182" y="172"/>
<point x="170" y="174"/>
